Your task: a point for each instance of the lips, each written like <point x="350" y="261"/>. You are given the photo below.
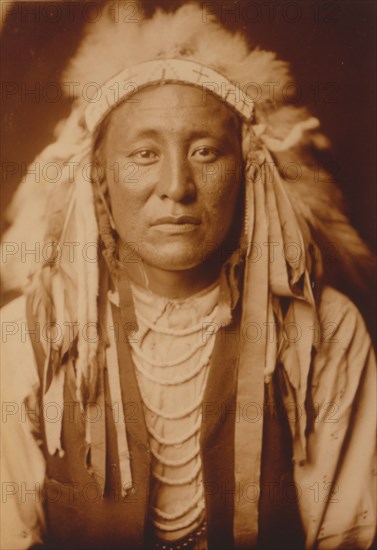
<point x="177" y="220"/>
<point x="176" y="225"/>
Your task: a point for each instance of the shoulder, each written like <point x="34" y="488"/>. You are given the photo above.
<point x="341" y="323"/>
<point x="14" y="310"/>
<point x="333" y="304"/>
<point x="344" y="349"/>
<point x="18" y="367"/>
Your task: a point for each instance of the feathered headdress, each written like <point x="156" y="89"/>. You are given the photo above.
<point x="115" y="42"/>
<point x="116" y="59"/>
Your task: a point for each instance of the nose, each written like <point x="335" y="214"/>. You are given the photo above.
<point x="176" y="180"/>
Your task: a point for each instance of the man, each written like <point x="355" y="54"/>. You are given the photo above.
<point x="196" y="383"/>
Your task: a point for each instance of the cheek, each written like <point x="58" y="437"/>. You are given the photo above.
<point x="128" y="183"/>
<point x="220" y="193"/>
<point x="125" y="204"/>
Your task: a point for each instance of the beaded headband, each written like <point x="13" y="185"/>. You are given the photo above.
<point x="133" y="79"/>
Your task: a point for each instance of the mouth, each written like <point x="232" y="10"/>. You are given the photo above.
<point x="176" y="224"/>
<point x="177" y="220"/>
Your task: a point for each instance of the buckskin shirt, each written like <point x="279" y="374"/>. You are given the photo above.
<point x="333" y="490"/>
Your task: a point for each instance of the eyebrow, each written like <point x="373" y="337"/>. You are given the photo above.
<point x="151" y="133"/>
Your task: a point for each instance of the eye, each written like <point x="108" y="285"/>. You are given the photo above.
<point x="206" y="154"/>
<point x="144" y="156"/>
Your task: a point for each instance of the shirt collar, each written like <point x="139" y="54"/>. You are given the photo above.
<point x="229" y="291"/>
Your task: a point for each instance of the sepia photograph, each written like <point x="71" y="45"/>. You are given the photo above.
<point x="188" y="275"/>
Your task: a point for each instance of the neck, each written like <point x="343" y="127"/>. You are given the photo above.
<point x="173" y="284"/>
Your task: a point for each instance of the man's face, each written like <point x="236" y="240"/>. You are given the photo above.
<point x="173" y="168"/>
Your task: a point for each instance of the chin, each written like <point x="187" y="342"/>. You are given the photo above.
<point x="175" y="264"/>
<point x="175" y="258"/>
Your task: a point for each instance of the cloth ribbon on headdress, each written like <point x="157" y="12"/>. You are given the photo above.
<point x="270" y="271"/>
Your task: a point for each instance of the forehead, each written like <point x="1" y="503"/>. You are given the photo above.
<point x="175" y="108"/>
